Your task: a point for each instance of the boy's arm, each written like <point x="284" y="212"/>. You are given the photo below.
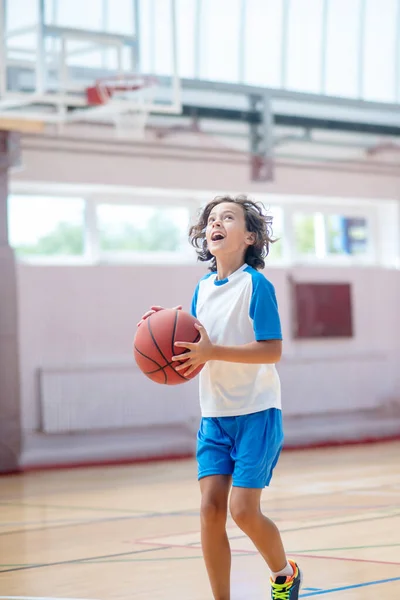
<point x="262" y="352"/>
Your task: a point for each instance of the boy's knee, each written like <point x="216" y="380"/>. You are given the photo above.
<point x="213" y="510"/>
<point x="243" y="514"/>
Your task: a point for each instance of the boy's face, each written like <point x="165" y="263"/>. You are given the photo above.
<point x="226" y="231"/>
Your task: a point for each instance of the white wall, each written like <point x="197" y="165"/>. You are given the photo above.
<point x="84" y="316"/>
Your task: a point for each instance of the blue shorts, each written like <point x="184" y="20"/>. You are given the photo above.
<point x="246" y="447"/>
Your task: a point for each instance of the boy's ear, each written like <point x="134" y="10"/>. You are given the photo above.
<point x="250" y="238"/>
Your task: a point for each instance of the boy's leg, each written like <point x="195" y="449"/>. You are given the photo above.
<point x="214" y="540"/>
<point x="215" y="468"/>
<point x="258" y="445"/>
<point x="246" y="512"/>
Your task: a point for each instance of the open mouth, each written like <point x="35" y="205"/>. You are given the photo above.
<point x="217" y="236"/>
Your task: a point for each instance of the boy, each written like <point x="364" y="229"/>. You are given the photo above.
<point x="240" y="436"/>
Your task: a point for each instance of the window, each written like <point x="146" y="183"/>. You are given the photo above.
<point x="219" y="40"/>
<point x="46" y="226"/>
<point x="304" y="233"/>
<point x="119" y="17"/>
<point x="155" y="37"/>
<point x="304" y="50"/>
<point x="347" y="235"/>
<point x="263" y="42"/>
<point x="21" y="14"/>
<point x="186" y="20"/>
<point x="82" y="15"/>
<point x="342" y="48"/>
<point x="60" y="225"/>
<point x="142" y="229"/>
<point x="380" y="49"/>
<point x="324" y="235"/>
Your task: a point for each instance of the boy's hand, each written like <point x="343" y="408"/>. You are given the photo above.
<point x="154" y="309"/>
<point x="198" y="353"/>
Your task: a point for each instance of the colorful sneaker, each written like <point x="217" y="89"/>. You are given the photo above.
<point x="287" y="588"/>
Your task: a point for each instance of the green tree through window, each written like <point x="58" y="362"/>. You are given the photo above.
<point x="159" y="235"/>
<point x="65" y="239"/>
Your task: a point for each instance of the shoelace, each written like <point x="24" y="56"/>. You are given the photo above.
<point x="281" y="591"/>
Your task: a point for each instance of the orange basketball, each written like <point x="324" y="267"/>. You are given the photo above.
<point x="153" y="346"/>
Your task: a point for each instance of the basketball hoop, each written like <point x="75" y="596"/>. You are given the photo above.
<point x="127" y="100"/>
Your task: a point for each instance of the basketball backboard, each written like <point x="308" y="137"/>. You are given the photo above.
<point x="54" y="54"/>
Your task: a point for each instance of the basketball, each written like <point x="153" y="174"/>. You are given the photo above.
<point x="154" y="347"/>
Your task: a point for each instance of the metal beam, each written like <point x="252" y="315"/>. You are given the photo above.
<point x="336" y="125"/>
<point x="279" y="94"/>
<point x="255" y="117"/>
<point x="261" y="140"/>
<point x="89" y="35"/>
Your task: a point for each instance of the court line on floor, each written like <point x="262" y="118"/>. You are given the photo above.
<point x="254" y="552"/>
<point x="335" y="524"/>
<point x="63" y="526"/>
<point x="366" y="547"/>
<point x="344" y="522"/>
<point x="173" y="513"/>
<point x="36" y="598"/>
<point x="235" y="554"/>
<point x="70" y="524"/>
<point x="153" y="539"/>
<point x="345" y="559"/>
<point x="36" y="522"/>
<point x="293" y="498"/>
<point x="13" y="504"/>
<point x="82" y="560"/>
<point x="350" y="587"/>
<point x="65" y="523"/>
<point x="240" y="551"/>
<point x="190" y="511"/>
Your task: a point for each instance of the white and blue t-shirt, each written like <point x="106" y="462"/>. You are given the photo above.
<point x="237" y="310"/>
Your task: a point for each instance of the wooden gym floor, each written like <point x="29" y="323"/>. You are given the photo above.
<point x="133" y="531"/>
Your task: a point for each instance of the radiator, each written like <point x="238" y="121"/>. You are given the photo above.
<point x="110" y="397"/>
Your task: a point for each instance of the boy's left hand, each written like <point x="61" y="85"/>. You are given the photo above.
<point x="198" y="353"/>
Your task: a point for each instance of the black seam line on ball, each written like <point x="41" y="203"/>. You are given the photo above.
<point x="173" y="334"/>
<point x="159" y="349"/>
<point x="160" y="368"/>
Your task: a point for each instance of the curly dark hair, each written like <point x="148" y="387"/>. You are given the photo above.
<point x="257" y="221"/>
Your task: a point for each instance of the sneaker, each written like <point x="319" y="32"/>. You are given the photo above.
<point x="287" y="588"/>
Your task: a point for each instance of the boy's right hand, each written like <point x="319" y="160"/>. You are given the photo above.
<point x="154" y="309"/>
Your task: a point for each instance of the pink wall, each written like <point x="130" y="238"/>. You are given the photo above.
<point x="87" y="316"/>
<point x="163" y="165"/>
